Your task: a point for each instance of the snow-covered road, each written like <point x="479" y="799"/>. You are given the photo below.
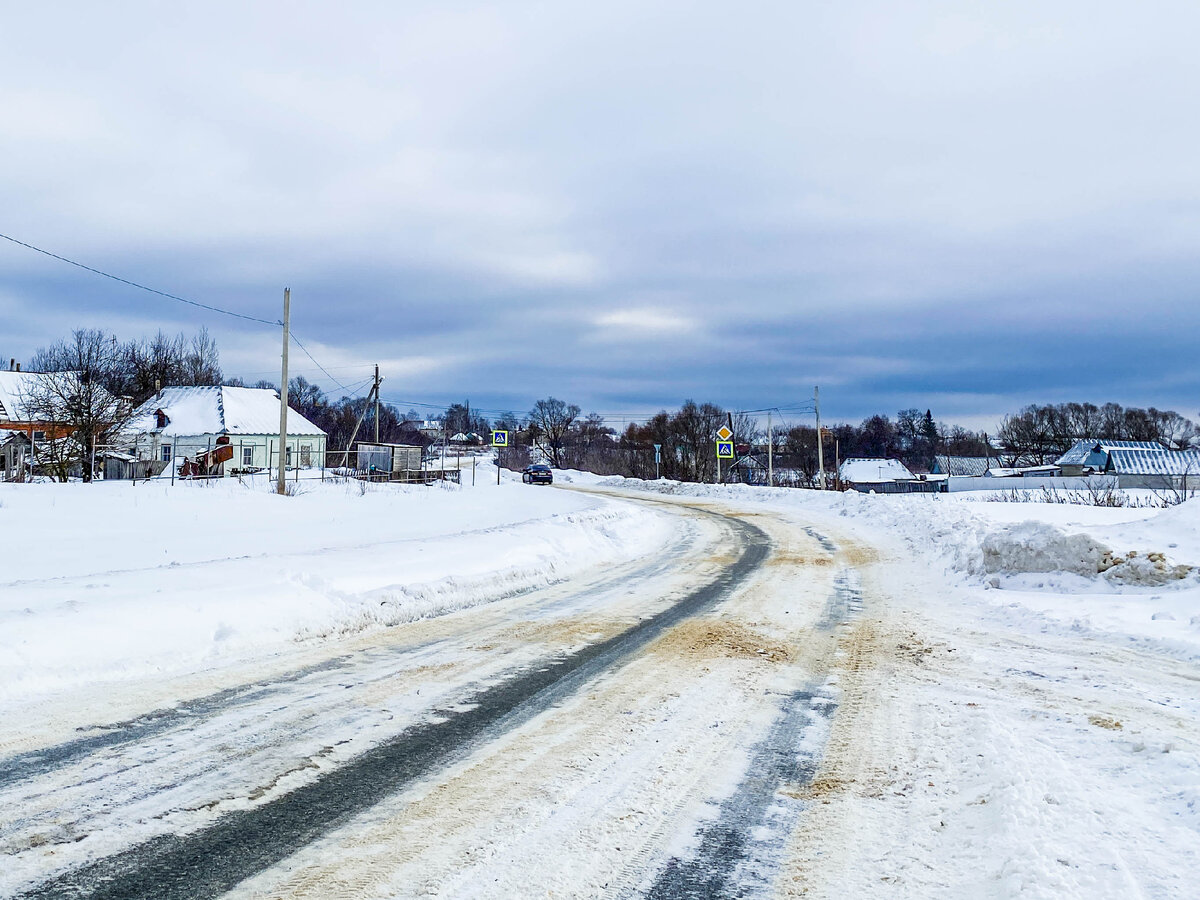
<point x="587" y="731"/>
<point x="783" y="694"/>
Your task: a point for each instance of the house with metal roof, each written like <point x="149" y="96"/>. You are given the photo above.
<point x="1160" y="469"/>
<point x="1090" y="455"/>
<point x="959" y="466"/>
<point x="875" y="474"/>
<point x="227" y="429"/>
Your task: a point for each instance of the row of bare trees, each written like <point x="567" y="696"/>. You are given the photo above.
<point x="94" y="381"/>
<point x="1042" y="433"/>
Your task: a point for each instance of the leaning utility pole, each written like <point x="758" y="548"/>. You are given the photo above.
<point x="820" y="442"/>
<point x="283" y="400"/>
<point x="357" y="425"/>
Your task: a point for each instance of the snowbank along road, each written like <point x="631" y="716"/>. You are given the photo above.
<point x="654" y="729"/>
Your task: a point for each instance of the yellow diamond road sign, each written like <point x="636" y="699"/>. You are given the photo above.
<point x="724" y="433"/>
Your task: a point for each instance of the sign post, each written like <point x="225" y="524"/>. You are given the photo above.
<point x="499" y="441"/>
<point x="724" y="448"/>
<point x="724" y="451"/>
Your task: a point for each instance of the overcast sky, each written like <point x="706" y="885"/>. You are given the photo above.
<point x="958" y="206"/>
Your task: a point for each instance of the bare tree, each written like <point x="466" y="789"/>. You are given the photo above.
<point x="550" y="421"/>
<point x="72" y="394"/>
<point x="202" y="362"/>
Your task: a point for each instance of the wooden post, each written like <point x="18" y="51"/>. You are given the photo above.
<point x="820" y="442"/>
<point x="280" y="483"/>
<point x="770" y="453"/>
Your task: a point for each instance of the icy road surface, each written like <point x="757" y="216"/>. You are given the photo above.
<point x="643" y="730"/>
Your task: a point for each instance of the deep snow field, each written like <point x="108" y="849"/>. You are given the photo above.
<point x="1043" y="741"/>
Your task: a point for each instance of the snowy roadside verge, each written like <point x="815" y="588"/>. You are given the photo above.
<point x="1018" y="714"/>
<point x="1132" y="573"/>
<point x="108" y="582"/>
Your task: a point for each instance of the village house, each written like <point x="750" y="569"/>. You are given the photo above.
<point x="962" y="466"/>
<point x="876" y="474"/>
<point x="230" y="429"/>
<point x="1161" y="469"/>
<point x="1090" y="456"/>
<point x="39" y="406"/>
<point x="15" y="387"/>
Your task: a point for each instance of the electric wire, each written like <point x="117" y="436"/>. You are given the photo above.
<point x="141" y="287"/>
<point x="175" y="297"/>
<point x="300" y="344"/>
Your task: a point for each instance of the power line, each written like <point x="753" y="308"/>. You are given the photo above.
<point x="141" y="287"/>
<point x="196" y="303"/>
<point x="317" y="364"/>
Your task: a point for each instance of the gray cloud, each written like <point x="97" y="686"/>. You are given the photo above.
<point x="965" y="207"/>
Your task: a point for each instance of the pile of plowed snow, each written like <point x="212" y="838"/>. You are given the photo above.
<point x="1032" y="546"/>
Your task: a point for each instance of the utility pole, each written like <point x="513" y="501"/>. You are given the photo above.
<point x="357" y="425"/>
<point x="377" y="403"/>
<point x="280" y="486"/>
<point x="820" y="442"/>
<point x="770" y="452"/>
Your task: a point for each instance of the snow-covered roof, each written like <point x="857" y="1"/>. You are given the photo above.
<point x="874" y="471"/>
<point x="217" y="410"/>
<point x="1081" y="450"/>
<point x="1155" y="462"/>
<point x="12" y="386"/>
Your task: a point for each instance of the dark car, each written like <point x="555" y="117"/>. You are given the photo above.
<point x="537" y="475"/>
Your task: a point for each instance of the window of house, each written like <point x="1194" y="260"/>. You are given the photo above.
<point x="166" y="452"/>
<point x="247" y="456"/>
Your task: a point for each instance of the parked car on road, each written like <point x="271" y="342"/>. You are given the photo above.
<point x="537" y="474"/>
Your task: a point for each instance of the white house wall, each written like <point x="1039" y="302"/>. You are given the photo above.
<point x="249" y="450"/>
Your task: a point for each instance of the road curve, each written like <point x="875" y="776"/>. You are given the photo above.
<point x="241" y="843"/>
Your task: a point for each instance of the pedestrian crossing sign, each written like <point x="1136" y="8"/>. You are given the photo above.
<point x="724" y="449"/>
<point x="499" y="438"/>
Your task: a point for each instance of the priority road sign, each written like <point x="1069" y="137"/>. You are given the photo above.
<point x="723" y="433"/>
<point x="499" y="438"/>
<point x="724" y="449"/>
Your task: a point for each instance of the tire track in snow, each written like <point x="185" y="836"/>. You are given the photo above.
<point x="740" y="853"/>
<point x="240" y="844"/>
<point x="32" y="763"/>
